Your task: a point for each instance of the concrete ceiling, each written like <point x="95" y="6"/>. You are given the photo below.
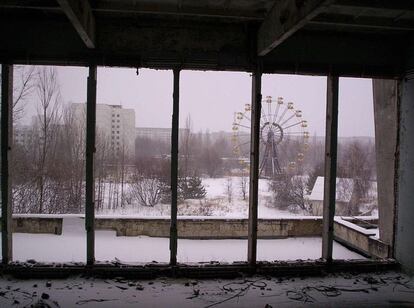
<point x="353" y="38"/>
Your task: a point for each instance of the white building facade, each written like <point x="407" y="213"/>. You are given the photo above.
<point x="114" y="124"/>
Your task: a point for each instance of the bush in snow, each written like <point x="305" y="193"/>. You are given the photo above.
<point x="288" y="192"/>
<point x="147" y="191"/>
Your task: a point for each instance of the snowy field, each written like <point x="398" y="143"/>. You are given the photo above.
<point x="216" y="203"/>
<point x="71" y="247"/>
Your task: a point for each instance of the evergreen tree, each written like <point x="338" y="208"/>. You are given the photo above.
<point x="191" y="188"/>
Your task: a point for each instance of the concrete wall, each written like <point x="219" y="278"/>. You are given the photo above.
<point x="24" y="224"/>
<point x="404" y="240"/>
<point x="211" y="228"/>
<point x="386" y="131"/>
<point x="362" y="241"/>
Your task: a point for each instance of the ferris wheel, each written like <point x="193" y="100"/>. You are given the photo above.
<point x="283" y="137"/>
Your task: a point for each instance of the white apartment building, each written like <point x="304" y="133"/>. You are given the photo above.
<point x="158" y="133"/>
<point x="22" y="134"/>
<point x="113" y="123"/>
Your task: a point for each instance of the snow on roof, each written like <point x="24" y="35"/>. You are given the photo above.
<point x="344" y="189"/>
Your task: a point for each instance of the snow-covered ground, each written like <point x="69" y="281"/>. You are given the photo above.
<point x="71" y="247"/>
<point x="216" y="203"/>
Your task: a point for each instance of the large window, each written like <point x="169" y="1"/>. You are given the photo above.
<point x="132" y="170"/>
<point x="48" y="175"/>
<point x="213" y="181"/>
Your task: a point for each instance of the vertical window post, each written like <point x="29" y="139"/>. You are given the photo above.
<point x="331" y="144"/>
<point x="174" y="168"/>
<point x="90" y="156"/>
<point x="256" y="106"/>
<point x="6" y="160"/>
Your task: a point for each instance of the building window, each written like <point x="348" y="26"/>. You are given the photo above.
<point x="117" y="121"/>
<point x="117" y="115"/>
<point x="117" y="131"/>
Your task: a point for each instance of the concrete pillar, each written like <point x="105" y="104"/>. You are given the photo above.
<point x="331" y="145"/>
<point x="254" y="165"/>
<point x="90" y="158"/>
<point x="385" y="113"/>
<point x="174" y="168"/>
<point x="6" y="161"/>
<point x="404" y="237"/>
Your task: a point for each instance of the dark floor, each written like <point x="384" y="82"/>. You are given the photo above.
<point x="341" y="290"/>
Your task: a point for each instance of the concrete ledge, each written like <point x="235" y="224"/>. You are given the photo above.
<point x="191" y="228"/>
<point x="151" y="271"/>
<point x="33" y="224"/>
<point x="212" y="228"/>
<point x="360" y="239"/>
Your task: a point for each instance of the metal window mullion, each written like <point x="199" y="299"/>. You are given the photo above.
<point x="174" y="168"/>
<point x="6" y="161"/>
<point x="254" y="166"/>
<point x="90" y="157"/>
<point x="331" y="144"/>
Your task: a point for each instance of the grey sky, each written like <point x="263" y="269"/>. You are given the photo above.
<point x="212" y="97"/>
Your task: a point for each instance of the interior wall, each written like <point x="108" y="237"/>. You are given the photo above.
<point x="385" y="112"/>
<point x="404" y="243"/>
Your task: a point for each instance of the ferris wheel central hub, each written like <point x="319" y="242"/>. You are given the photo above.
<point x="271" y="133"/>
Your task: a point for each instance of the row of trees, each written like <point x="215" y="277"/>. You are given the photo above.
<point x="49" y="165"/>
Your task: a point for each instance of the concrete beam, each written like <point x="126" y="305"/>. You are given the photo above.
<point x="399" y="5"/>
<point x="331" y="144"/>
<point x="284" y="19"/>
<point x="256" y="106"/>
<point x="90" y="161"/>
<point x="80" y="15"/>
<point x="225" y="46"/>
<point x="174" y="168"/>
<point x="362" y="22"/>
<point x="6" y="161"/>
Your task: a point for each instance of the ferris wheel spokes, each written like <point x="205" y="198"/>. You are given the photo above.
<point x="276" y="123"/>
<point x="279" y="103"/>
<point x="292" y="125"/>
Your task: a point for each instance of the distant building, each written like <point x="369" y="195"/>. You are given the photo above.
<point x="113" y="122"/>
<point x="344" y="195"/>
<point x="157" y="133"/>
<point x="22" y="134"/>
<point x="344" y="191"/>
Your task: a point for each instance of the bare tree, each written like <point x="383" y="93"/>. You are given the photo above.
<point x="229" y="189"/>
<point x="186" y="148"/>
<point x="288" y="192"/>
<point x="357" y="162"/>
<point x="48" y="117"/>
<point x="147" y="191"/>
<point x="243" y="185"/>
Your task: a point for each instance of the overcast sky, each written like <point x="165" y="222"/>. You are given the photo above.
<point x="211" y="98"/>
